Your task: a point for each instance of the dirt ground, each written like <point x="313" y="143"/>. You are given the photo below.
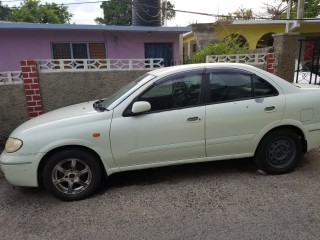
<point x="218" y="200"/>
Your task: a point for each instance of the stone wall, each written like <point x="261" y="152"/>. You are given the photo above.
<point x="285" y="52"/>
<point x="204" y="32"/>
<point x="13" y="109"/>
<point x="61" y="89"/>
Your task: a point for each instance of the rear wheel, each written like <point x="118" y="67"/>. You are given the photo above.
<point x="279" y="151"/>
<point x="72" y="174"/>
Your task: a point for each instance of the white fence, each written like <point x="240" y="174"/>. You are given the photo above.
<point x="10" y="78"/>
<point x="53" y="65"/>
<point x="71" y="65"/>
<point x="252" y="59"/>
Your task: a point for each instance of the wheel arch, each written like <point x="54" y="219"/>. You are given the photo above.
<point x="292" y="128"/>
<point x="75" y="147"/>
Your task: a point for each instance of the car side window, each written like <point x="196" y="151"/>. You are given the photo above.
<point x="262" y="88"/>
<point x="176" y="92"/>
<point x="225" y="87"/>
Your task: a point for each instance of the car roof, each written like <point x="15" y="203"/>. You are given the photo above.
<point x="187" y="67"/>
<point x="283" y="84"/>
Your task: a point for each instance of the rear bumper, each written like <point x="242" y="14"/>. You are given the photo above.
<point x="20" y="170"/>
<point x="313" y="138"/>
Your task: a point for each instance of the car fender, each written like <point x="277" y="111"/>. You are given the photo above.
<point x="106" y="158"/>
<point x="282" y="123"/>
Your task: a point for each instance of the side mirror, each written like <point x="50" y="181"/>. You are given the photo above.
<point x="140" y="107"/>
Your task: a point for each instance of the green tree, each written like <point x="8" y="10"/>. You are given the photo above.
<point x="34" y="12"/>
<point x="5" y="13"/>
<point x="117" y="12"/>
<point x="311" y="9"/>
<point x="171" y="14"/>
<point x="276" y="11"/>
<point x="241" y="14"/>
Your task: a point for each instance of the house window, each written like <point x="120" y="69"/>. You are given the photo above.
<point x="61" y="50"/>
<point x="78" y="50"/>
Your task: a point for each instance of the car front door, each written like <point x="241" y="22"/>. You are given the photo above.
<point x="172" y="130"/>
<point x="240" y="105"/>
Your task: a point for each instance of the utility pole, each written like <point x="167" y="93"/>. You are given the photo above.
<point x="300" y="9"/>
<point x="288" y="16"/>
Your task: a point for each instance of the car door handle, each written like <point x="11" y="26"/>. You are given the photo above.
<point x="193" y="119"/>
<point x="270" y="109"/>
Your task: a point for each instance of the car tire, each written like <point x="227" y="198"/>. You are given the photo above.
<point x="279" y="151"/>
<point x="72" y="174"/>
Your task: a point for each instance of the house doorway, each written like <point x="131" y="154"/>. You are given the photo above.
<point x="159" y="50"/>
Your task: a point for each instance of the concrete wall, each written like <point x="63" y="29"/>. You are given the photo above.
<point x="204" y="33"/>
<point x="13" y="110"/>
<point x="65" y="88"/>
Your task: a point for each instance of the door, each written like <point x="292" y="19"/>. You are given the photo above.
<point x="172" y="130"/>
<point x="159" y="50"/>
<point x="240" y="105"/>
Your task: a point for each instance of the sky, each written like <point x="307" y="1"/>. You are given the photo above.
<point x="86" y="13"/>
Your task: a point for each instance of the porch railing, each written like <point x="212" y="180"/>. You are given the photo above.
<point x="252" y="59"/>
<point x="10" y="78"/>
<point x="51" y="65"/>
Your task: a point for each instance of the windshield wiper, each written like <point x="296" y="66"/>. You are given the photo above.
<point x="98" y="105"/>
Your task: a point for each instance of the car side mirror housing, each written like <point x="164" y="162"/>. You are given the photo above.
<point x="140" y="107"/>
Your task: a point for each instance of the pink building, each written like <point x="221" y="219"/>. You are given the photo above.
<point x="23" y="41"/>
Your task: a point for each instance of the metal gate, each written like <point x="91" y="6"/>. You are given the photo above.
<point x="308" y="62"/>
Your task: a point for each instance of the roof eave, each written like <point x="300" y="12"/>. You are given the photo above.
<point x="39" y="26"/>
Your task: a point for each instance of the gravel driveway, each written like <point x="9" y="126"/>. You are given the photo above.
<point x="218" y="200"/>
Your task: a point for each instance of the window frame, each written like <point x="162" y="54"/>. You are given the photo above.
<point x="265" y="96"/>
<point x="71" y="47"/>
<point x="252" y="75"/>
<point x="73" y="44"/>
<point x="127" y="112"/>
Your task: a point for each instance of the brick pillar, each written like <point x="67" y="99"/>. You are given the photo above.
<point x="31" y="87"/>
<point x="270" y="62"/>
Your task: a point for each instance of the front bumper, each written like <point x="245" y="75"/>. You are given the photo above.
<point x="20" y="170"/>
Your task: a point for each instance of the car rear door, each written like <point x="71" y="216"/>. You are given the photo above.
<point x="240" y="105"/>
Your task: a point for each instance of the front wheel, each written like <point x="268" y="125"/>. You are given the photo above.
<point x="72" y="174"/>
<point x="279" y="151"/>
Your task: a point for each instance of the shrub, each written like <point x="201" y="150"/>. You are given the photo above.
<point x="228" y="46"/>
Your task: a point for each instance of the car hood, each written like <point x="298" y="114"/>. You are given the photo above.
<point x="62" y="117"/>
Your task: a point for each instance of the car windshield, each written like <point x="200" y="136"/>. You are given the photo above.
<point x="125" y="91"/>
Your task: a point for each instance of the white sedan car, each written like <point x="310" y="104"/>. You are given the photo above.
<point x="175" y="115"/>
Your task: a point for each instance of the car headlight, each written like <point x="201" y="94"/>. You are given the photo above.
<point x="13" y="145"/>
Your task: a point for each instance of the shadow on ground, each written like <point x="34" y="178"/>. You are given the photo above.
<point x="175" y="174"/>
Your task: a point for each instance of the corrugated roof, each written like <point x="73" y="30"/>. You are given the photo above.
<point x="41" y="26"/>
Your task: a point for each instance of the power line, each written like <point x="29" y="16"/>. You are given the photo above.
<point x="74" y="3"/>
<point x="12" y="1"/>
<point x="178" y="10"/>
